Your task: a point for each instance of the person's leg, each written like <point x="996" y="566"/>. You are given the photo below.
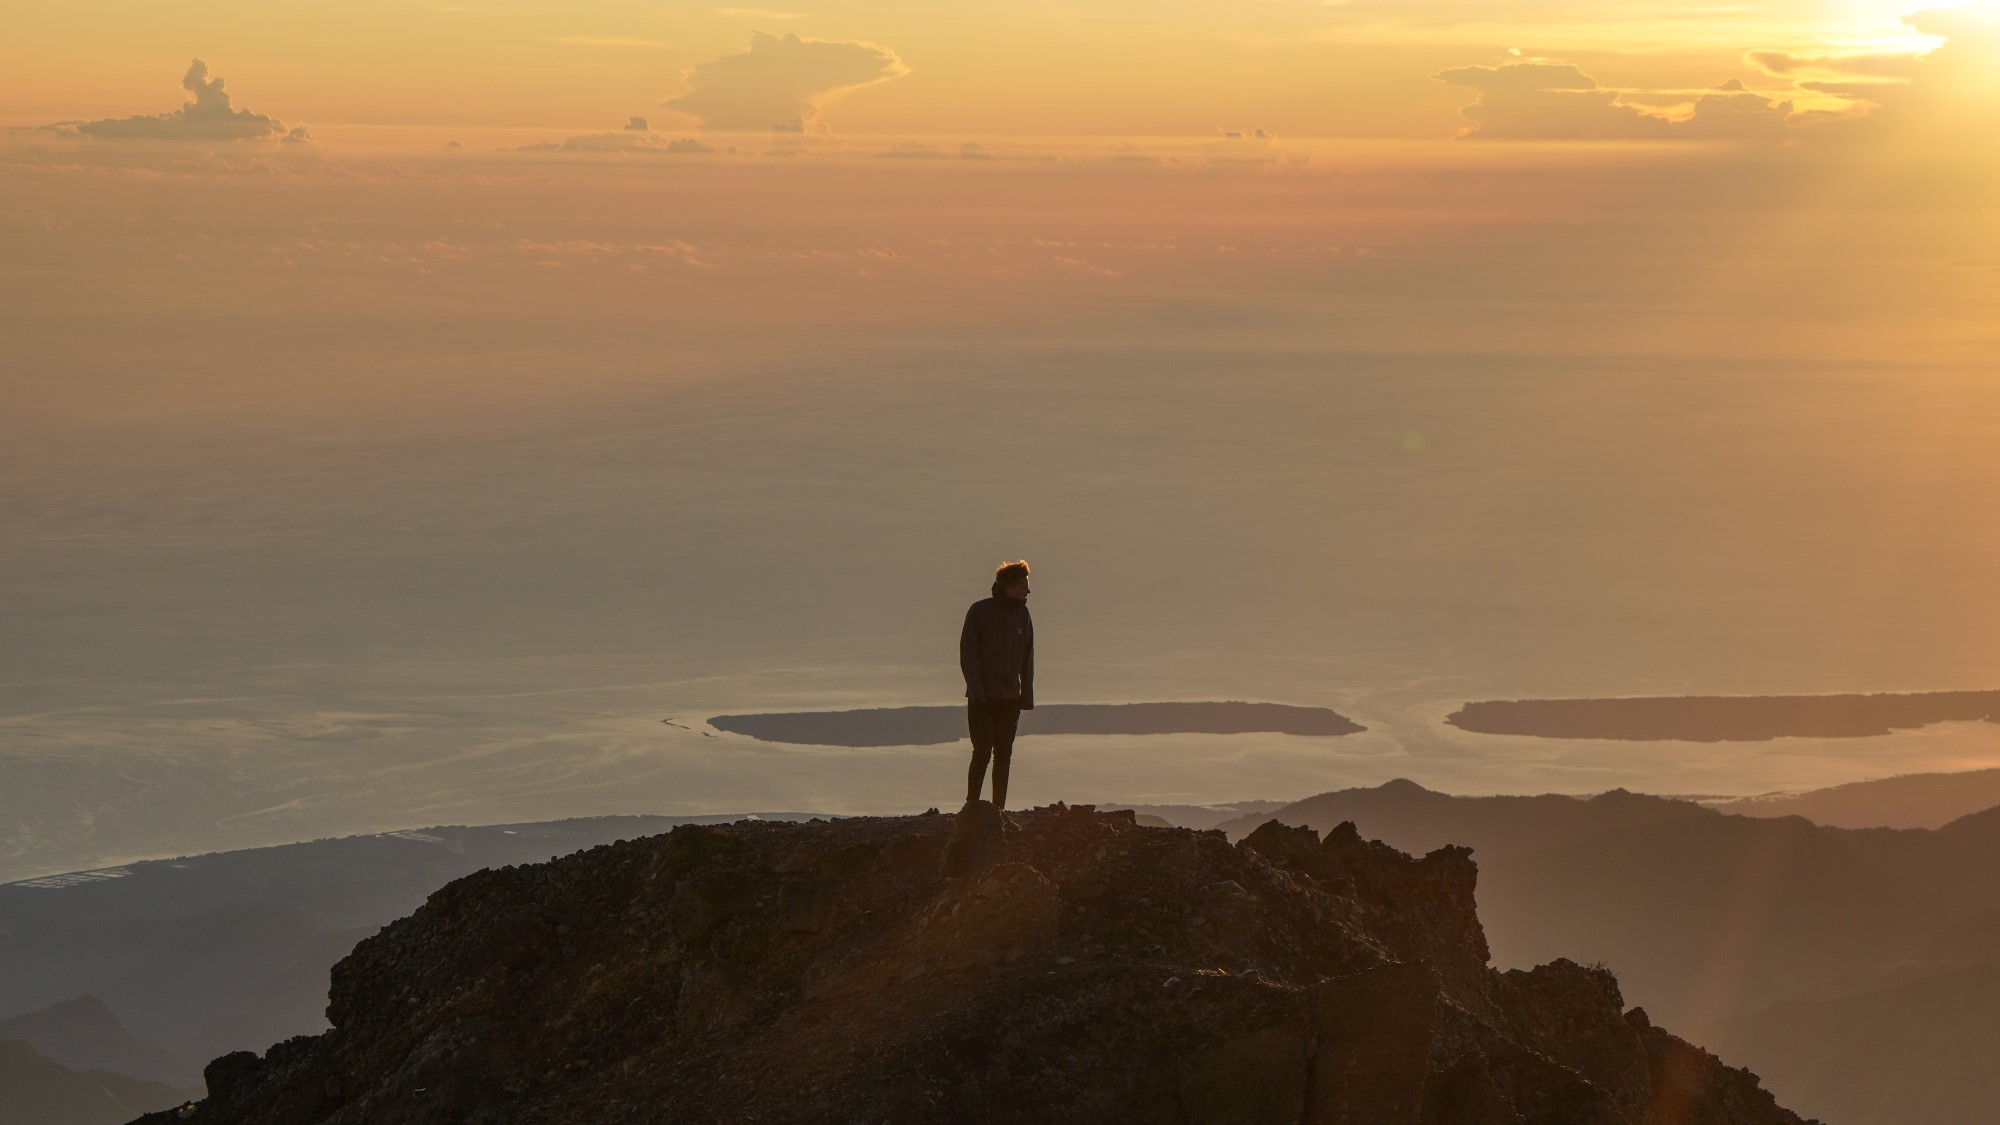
<point x="1006" y="720"/>
<point x="979" y="724"/>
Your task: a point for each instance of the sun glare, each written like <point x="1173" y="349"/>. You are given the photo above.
<point x="1887" y="26"/>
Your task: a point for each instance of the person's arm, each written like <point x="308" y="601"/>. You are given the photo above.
<point x="1028" y="671"/>
<point x="968" y="656"/>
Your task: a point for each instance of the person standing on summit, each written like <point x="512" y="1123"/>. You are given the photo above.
<point x="996" y="651"/>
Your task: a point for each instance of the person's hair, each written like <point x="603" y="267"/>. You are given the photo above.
<point x="1010" y="574"/>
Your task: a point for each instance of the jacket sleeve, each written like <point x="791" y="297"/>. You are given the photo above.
<point x="1028" y="672"/>
<point x="969" y="656"/>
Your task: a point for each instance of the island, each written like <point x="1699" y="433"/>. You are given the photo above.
<point x="1726" y="718"/>
<point x="929" y="726"/>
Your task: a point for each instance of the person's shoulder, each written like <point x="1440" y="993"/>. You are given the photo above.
<point x="983" y="605"/>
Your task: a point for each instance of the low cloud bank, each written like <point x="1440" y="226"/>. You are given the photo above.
<point x="637" y="136"/>
<point x="207" y="115"/>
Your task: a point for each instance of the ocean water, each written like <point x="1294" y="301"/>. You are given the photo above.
<point x="438" y="594"/>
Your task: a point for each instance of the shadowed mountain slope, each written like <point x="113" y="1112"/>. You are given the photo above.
<point x="36" y="1091"/>
<point x="83" y="1034"/>
<point x="1701" y="914"/>
<point x="1918" y="800"/>
<point x="1706" y="917"/>
<point x="1080" y="969"/>
<point x="1909" y="1040"/>
<point x="1857" y="970"/>
<point x="1918" y="1050"/>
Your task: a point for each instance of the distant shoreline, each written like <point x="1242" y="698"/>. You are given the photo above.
<point x="1718" y="718"/>
<point x="931" y="726"/>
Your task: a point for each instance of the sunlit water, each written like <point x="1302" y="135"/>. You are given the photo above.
<point x="360" y="619"/>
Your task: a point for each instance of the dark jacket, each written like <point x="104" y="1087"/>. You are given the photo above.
<point x="996" y="651"/>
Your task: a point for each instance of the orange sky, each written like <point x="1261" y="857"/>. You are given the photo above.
<point x="1181" y="67"/>
<point x="1404" y="348"/>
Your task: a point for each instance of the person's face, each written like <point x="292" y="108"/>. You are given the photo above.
<point x="1018" y="590"/>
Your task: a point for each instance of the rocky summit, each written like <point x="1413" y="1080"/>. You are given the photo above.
<point x="1066" y="966"/>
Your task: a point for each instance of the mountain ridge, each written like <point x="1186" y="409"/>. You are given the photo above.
<point x="1078" y="968"/>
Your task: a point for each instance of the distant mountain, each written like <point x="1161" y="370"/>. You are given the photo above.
<point x="1918" y="800"/>
<point x="1199" y="816"/>
<point x="1406" y="815"/>
<point x="1706" y="917"/>
<point x="227" y="979"/>
<point x="36" y="1091"/>
<point x="1911" y="1039"/>
<point x="84" y="1034"/>
<point x="202" y="955"/>
<point x="1920" y="1050"/>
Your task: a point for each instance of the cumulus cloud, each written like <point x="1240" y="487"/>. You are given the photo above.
<point x="1732" y="113"/>
<point x="636" y="136"/>
<point x="1538" y="100"/>
<point x="207" y="115"/>
<point x="781" y="81"/>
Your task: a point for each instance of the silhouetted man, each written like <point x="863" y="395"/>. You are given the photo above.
<point x="996" y="651"/>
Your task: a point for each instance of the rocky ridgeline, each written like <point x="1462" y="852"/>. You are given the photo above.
<point x="938" y="969"/>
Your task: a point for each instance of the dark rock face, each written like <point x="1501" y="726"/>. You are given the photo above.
<point x="1093" y="970"/>
<point x="975" y="840"/>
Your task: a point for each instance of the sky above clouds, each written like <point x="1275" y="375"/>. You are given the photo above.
<point x="1295" y="67"/>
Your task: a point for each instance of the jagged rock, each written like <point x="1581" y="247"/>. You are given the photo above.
<point x="975" y="840"/>
<point x="1010" y="911"/>
<point x="221" y="1075"/>
<point x="1080" y="969"/>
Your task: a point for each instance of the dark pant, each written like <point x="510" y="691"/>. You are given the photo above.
<point x="992" y="723"/>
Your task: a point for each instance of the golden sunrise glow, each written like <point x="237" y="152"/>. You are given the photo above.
<point x="1359" y="68"/>
<point x="1556" y="347"/>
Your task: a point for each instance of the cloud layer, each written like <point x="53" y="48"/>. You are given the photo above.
<point x="1547" y="101"/>
<point x="637" y="136"/>
<point x="781" y="81"/>
<point x="206" y="116"/>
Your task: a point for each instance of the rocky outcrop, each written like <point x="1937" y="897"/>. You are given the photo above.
<point x="1077" y="967"/>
